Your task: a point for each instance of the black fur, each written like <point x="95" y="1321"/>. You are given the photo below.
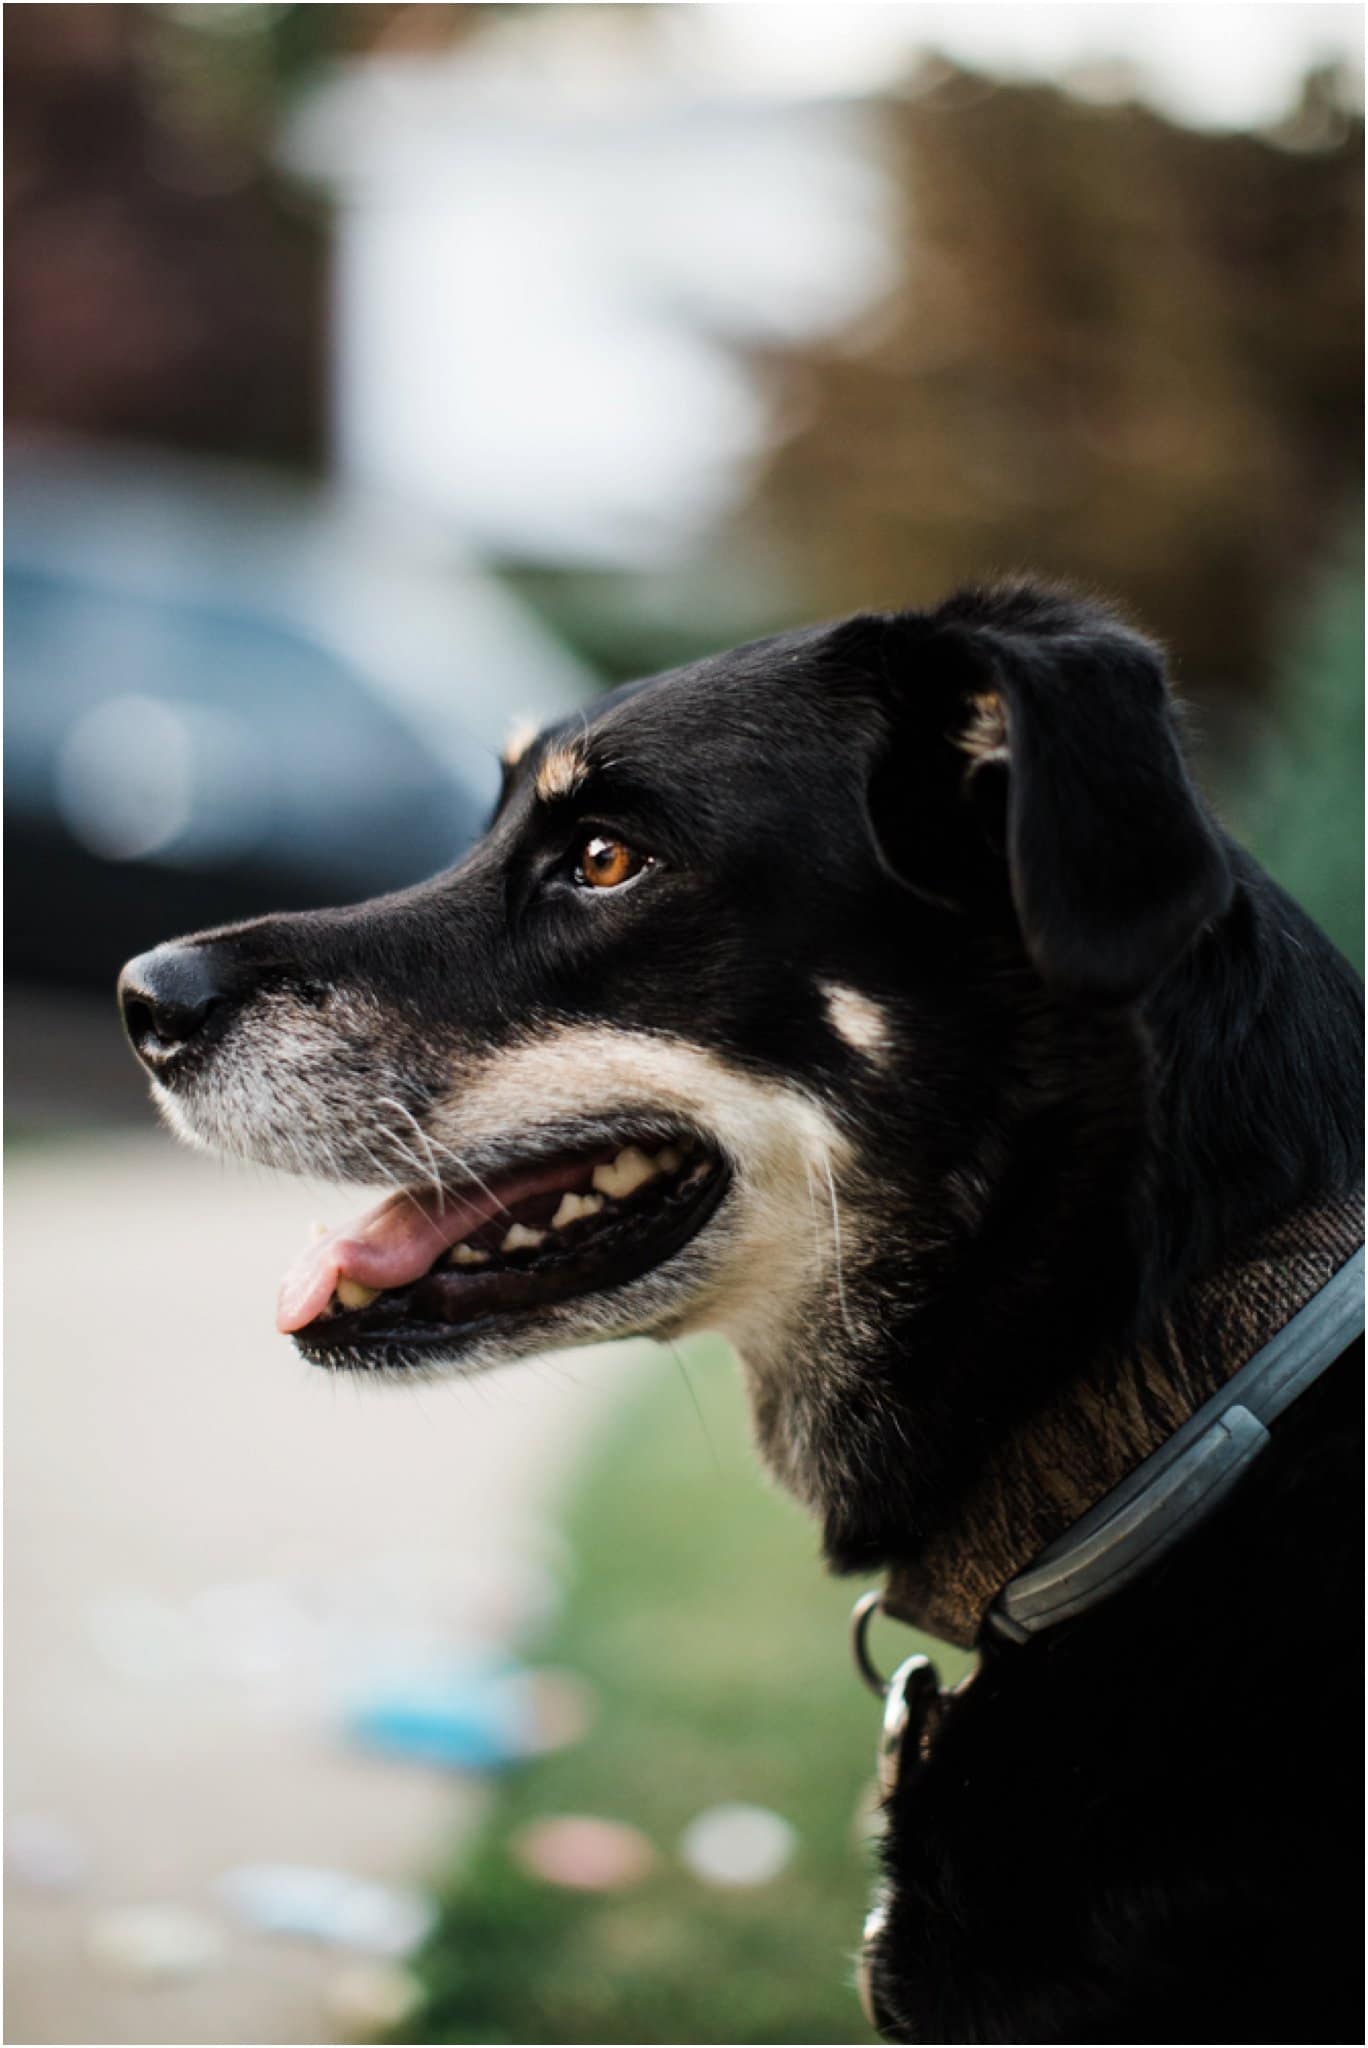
<point x="1117" y="1052"/>
<point x="1143" y="1825"/>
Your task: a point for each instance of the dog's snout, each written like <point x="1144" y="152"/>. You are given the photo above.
<point x="167" y="997"/>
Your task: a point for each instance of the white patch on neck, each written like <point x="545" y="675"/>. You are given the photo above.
<point x="857" y="1019"/>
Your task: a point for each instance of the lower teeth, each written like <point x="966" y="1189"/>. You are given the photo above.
<point x="353" y="1295"/>
<point x="520" y="1239"/>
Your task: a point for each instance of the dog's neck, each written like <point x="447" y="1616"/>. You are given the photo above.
<point x="1091" y="1434"/>
<point x="1045" y="1280"/>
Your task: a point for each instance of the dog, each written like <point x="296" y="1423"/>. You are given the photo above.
<point x="885" y="995"/>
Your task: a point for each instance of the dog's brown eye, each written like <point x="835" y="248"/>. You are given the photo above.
<point x="608" y="863"/>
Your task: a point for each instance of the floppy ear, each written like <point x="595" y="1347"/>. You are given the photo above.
<point x="1113" y="862"/>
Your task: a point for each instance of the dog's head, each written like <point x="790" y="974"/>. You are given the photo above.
<point x="732" y="1016"/>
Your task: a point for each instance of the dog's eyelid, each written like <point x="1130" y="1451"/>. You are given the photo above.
<point x="589" y="824"/>
<point x="623" y="816"/>
<point x="598" y="848"/>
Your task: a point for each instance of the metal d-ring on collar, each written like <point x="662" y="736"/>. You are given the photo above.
<point x="912" y="1697"/>
<point x="912" y="1708"/>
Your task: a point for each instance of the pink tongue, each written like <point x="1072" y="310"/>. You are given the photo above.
<point x="399" y="1239"/>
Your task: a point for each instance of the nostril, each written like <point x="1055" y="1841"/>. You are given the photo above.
<point x="139" y="1020"/>
<point x="166" y="997"/>
<point x="164" y="1024"/>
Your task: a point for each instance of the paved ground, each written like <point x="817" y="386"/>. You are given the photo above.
<point x="201" y="1534"/>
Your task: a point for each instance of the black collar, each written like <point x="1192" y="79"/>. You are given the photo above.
<point x="1121" y="1461"/>
<point x="1180" y="1484"/>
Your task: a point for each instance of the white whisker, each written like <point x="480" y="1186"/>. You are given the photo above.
<point x="851" y="1331"/>
<point x="467" y="1171"/>
<point x="393" y="1102"/>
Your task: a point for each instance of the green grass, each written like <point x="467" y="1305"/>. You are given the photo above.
<point x="1300" y="806"/>
<point x="718" y="1649"/>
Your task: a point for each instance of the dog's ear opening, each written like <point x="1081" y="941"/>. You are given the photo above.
<point x="1035" y="734"/>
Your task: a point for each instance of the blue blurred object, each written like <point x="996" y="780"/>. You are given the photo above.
<point x="227" y="695"/>
<point x="332" y="1906"/>
<point x="460" y="1718"/>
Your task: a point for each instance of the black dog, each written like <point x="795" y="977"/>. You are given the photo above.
<point x="884" y="995"/>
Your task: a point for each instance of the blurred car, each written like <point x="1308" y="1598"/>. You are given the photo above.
<point x="227" y="696"/>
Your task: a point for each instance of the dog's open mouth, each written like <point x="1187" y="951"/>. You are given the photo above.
<point x="420" y="1265"/>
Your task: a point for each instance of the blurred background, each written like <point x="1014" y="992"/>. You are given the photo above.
<point x="377" y="375"/>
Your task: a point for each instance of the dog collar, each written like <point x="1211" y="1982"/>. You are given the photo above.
<point x="1164" y="1498"/>
<point x="1182" y="1482"/>
<point x="1124" y="1463"/>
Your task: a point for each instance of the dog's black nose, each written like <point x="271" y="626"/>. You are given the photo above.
<point x="166" y="996"/>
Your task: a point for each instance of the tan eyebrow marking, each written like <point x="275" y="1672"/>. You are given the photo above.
<point x="521" y="734"/>
<point x="561" y="770"/>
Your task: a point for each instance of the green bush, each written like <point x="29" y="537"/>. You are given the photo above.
<point x="1299" y="805"/>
